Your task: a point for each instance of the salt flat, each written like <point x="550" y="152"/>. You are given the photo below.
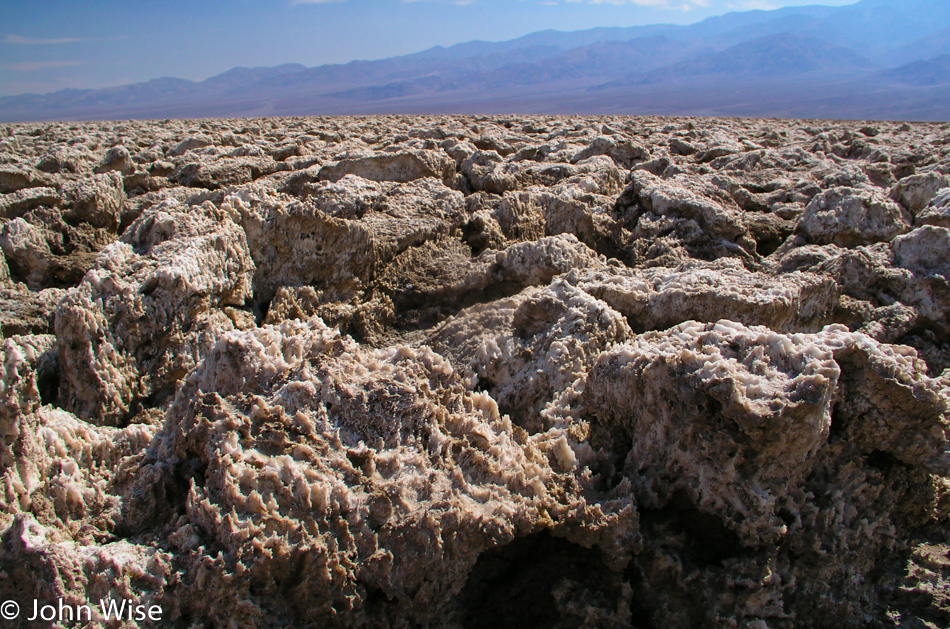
<point x="465" y="371"/>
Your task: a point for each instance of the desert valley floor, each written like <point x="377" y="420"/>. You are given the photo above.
<point x="477" y="372"/>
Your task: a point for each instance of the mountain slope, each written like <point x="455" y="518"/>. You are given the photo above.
<point x="925" y="48"/>
<point x="585" y="64"/>
<point x="854" y="46"/>
<point x="934" y="71"/>
<point x="775" y="55"/>
<point x="875" y="28"/>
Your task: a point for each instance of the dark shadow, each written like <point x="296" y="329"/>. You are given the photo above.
<point x="698" y="537"/>
<point x="513" y="586"/>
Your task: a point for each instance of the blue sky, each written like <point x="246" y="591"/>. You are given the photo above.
<point x="46" y="45"/>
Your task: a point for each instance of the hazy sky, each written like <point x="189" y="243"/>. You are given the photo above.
<point x="46" y="45"/>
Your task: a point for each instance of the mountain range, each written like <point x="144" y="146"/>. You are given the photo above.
<point x="884" y="59"/>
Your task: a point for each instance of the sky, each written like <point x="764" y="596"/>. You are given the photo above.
<point x="48" y="45"/>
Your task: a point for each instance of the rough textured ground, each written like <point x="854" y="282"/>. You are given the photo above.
<point x="470" y="372"/>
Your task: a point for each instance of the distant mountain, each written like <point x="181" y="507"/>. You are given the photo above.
<point x="934" y="71"/>
<point x="596" y="61"/>
<point x="928" y="47"/>
<point x="237" y="78"/>
<point x="871" y="59"/>
<point x="875" y="28"/>
<point x="781" y="55"/>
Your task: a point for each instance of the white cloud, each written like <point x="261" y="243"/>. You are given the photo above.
<point x="33" y="66"/>
<point x="460" y="3"/>
<point x="19" y="40"/>
<point x="748" y="5"/>
<point x="673" y="5"/>
<point x="659" y="4"/>
<point x="30" y="41"/>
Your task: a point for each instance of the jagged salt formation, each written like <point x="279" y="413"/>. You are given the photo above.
<point x="473" y="371"/>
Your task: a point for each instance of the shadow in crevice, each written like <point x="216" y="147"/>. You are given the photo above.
<point x="697" y="537"/>
<point x="416" y="311"/>
<point x="932" y="346"/>
<point x="534" y="582"/>
<point x="48" y="377"/>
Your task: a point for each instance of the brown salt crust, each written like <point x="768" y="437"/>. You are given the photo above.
<point x="455" y="371"/>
